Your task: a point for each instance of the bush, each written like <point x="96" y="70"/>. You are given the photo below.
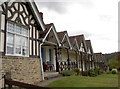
<point x="97" y="71"/>
<point x="108" y="72"/>
<point x="92" y="73"/>
<point x="85" y="73"/>
<point x="77" y="71"/>
<point x="114" y="72"/>
<point x="67" y="72"/>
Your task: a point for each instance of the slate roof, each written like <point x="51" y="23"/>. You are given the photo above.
<point x="72" y="40"/>
<point x="43" y="33"/>
<point x="98" y="56"/>
<point x="88" y="45"/>
<point x="61" y="35"/>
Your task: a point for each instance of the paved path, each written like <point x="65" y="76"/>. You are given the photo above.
<point x="46" y="82"/>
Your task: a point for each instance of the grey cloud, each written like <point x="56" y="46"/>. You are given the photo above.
<point x="79" y="32"/>
<point x="58" y="7"/>
<point x="86" y="3"/>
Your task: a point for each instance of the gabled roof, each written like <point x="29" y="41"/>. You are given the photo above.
<point x="43" y="33"/>
<point x="34" y="10"/>
<point x="62" y="35"/>
<point x="73" y="41"/>
<point x="80" y="39"/>
<point x="49" y="27"/>
<point x="88" y="45"/>
<point x="98" y="56"/>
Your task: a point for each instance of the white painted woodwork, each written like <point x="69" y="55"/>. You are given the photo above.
<point x="14" y="17"/>
<point x="12" y="9"/>
<point x="33" y="21"/>
<point x="21" y="8"/>
<point x="26" y="20"/>
<point x="1" y="8"/>
<point x="38" y="48"/>
<point x="34" y="47"/>
<point x="10" y="3"/>
<point x="22" y="20"/>
<point x="37" y="34"/>
<point x="25" y="9"/>
<point x="9" y="14"/>
<point x="33" y="32"/>
<point x="16" y="6"/>
<point x="83" y="65"/>
<point x="30" y="47"/>
<point x="82" y="48"/>
<point x="30" y="31"/>
<point x="2" y="42"/>
<point x="23" y="14"/>
<point x="3" y="22"/>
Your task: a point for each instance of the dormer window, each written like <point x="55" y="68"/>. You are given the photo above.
<point x="17" y="40"/>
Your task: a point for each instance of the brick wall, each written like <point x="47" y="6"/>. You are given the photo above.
<point x="23" y="69"/>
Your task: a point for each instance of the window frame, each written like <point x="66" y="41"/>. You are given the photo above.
<point x="14" y="40"/>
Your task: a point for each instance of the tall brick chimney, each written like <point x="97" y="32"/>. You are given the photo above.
<point x="41" y="14"/>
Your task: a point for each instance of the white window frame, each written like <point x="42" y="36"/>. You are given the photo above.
<point x="14" y="39"/>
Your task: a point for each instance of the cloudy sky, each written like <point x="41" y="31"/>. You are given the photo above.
<point x="96" y="19"/>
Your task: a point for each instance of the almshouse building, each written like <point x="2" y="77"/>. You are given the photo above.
<point x="90" y="55"/>
<point x="29" y="48"/>
<point x="20" y="25"/>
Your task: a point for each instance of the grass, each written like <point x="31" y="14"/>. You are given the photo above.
<point x="104" y="80"/>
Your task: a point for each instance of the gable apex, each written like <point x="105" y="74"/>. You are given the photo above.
<point x="33" y="8"/>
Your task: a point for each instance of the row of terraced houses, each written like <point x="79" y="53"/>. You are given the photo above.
<point x="28" y="45"/>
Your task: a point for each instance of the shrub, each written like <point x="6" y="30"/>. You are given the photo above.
<point x="114" y="72"/>
<point x="85" y="73"/>
<point x="67" y="72"/>
<point x="108" y="72"/>
<point x="97" y="71"/>
<point x="92" y="73"/>
<point x="77" y="71"/>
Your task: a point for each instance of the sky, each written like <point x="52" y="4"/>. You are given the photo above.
<point x="96" y="19"/>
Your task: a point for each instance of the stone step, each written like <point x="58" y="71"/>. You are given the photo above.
<point x="50" y="75"/>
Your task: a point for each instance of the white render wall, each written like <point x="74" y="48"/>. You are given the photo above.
<point x="64" y="55"/>
<point x="72" y="56"/>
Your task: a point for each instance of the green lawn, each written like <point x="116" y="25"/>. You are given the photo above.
<point x="104" y="80"/>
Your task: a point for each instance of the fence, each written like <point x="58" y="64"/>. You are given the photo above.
<point x="11" y="84"/>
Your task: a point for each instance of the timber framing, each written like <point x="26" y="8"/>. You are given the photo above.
<point x="44" y="45"/>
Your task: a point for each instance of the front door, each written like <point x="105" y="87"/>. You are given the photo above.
<point x="51" y="62"/>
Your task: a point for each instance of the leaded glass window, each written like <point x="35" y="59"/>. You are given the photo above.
<point x="17" y="40"/>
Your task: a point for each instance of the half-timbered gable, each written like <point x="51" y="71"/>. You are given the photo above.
<point x="64" y="39"/>
<point x="81" y="43"/>
<point x="90" y="54"/>
<point x="49" y="45"/>
<point x="74" y="43"/>
<point x="21" y="26"/>
<point x="50" y="35"/>
<point x="98" y="59"/>
<point x="89" y="46"/>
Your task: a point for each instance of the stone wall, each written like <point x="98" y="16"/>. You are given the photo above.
<point x="23" y="69"/>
